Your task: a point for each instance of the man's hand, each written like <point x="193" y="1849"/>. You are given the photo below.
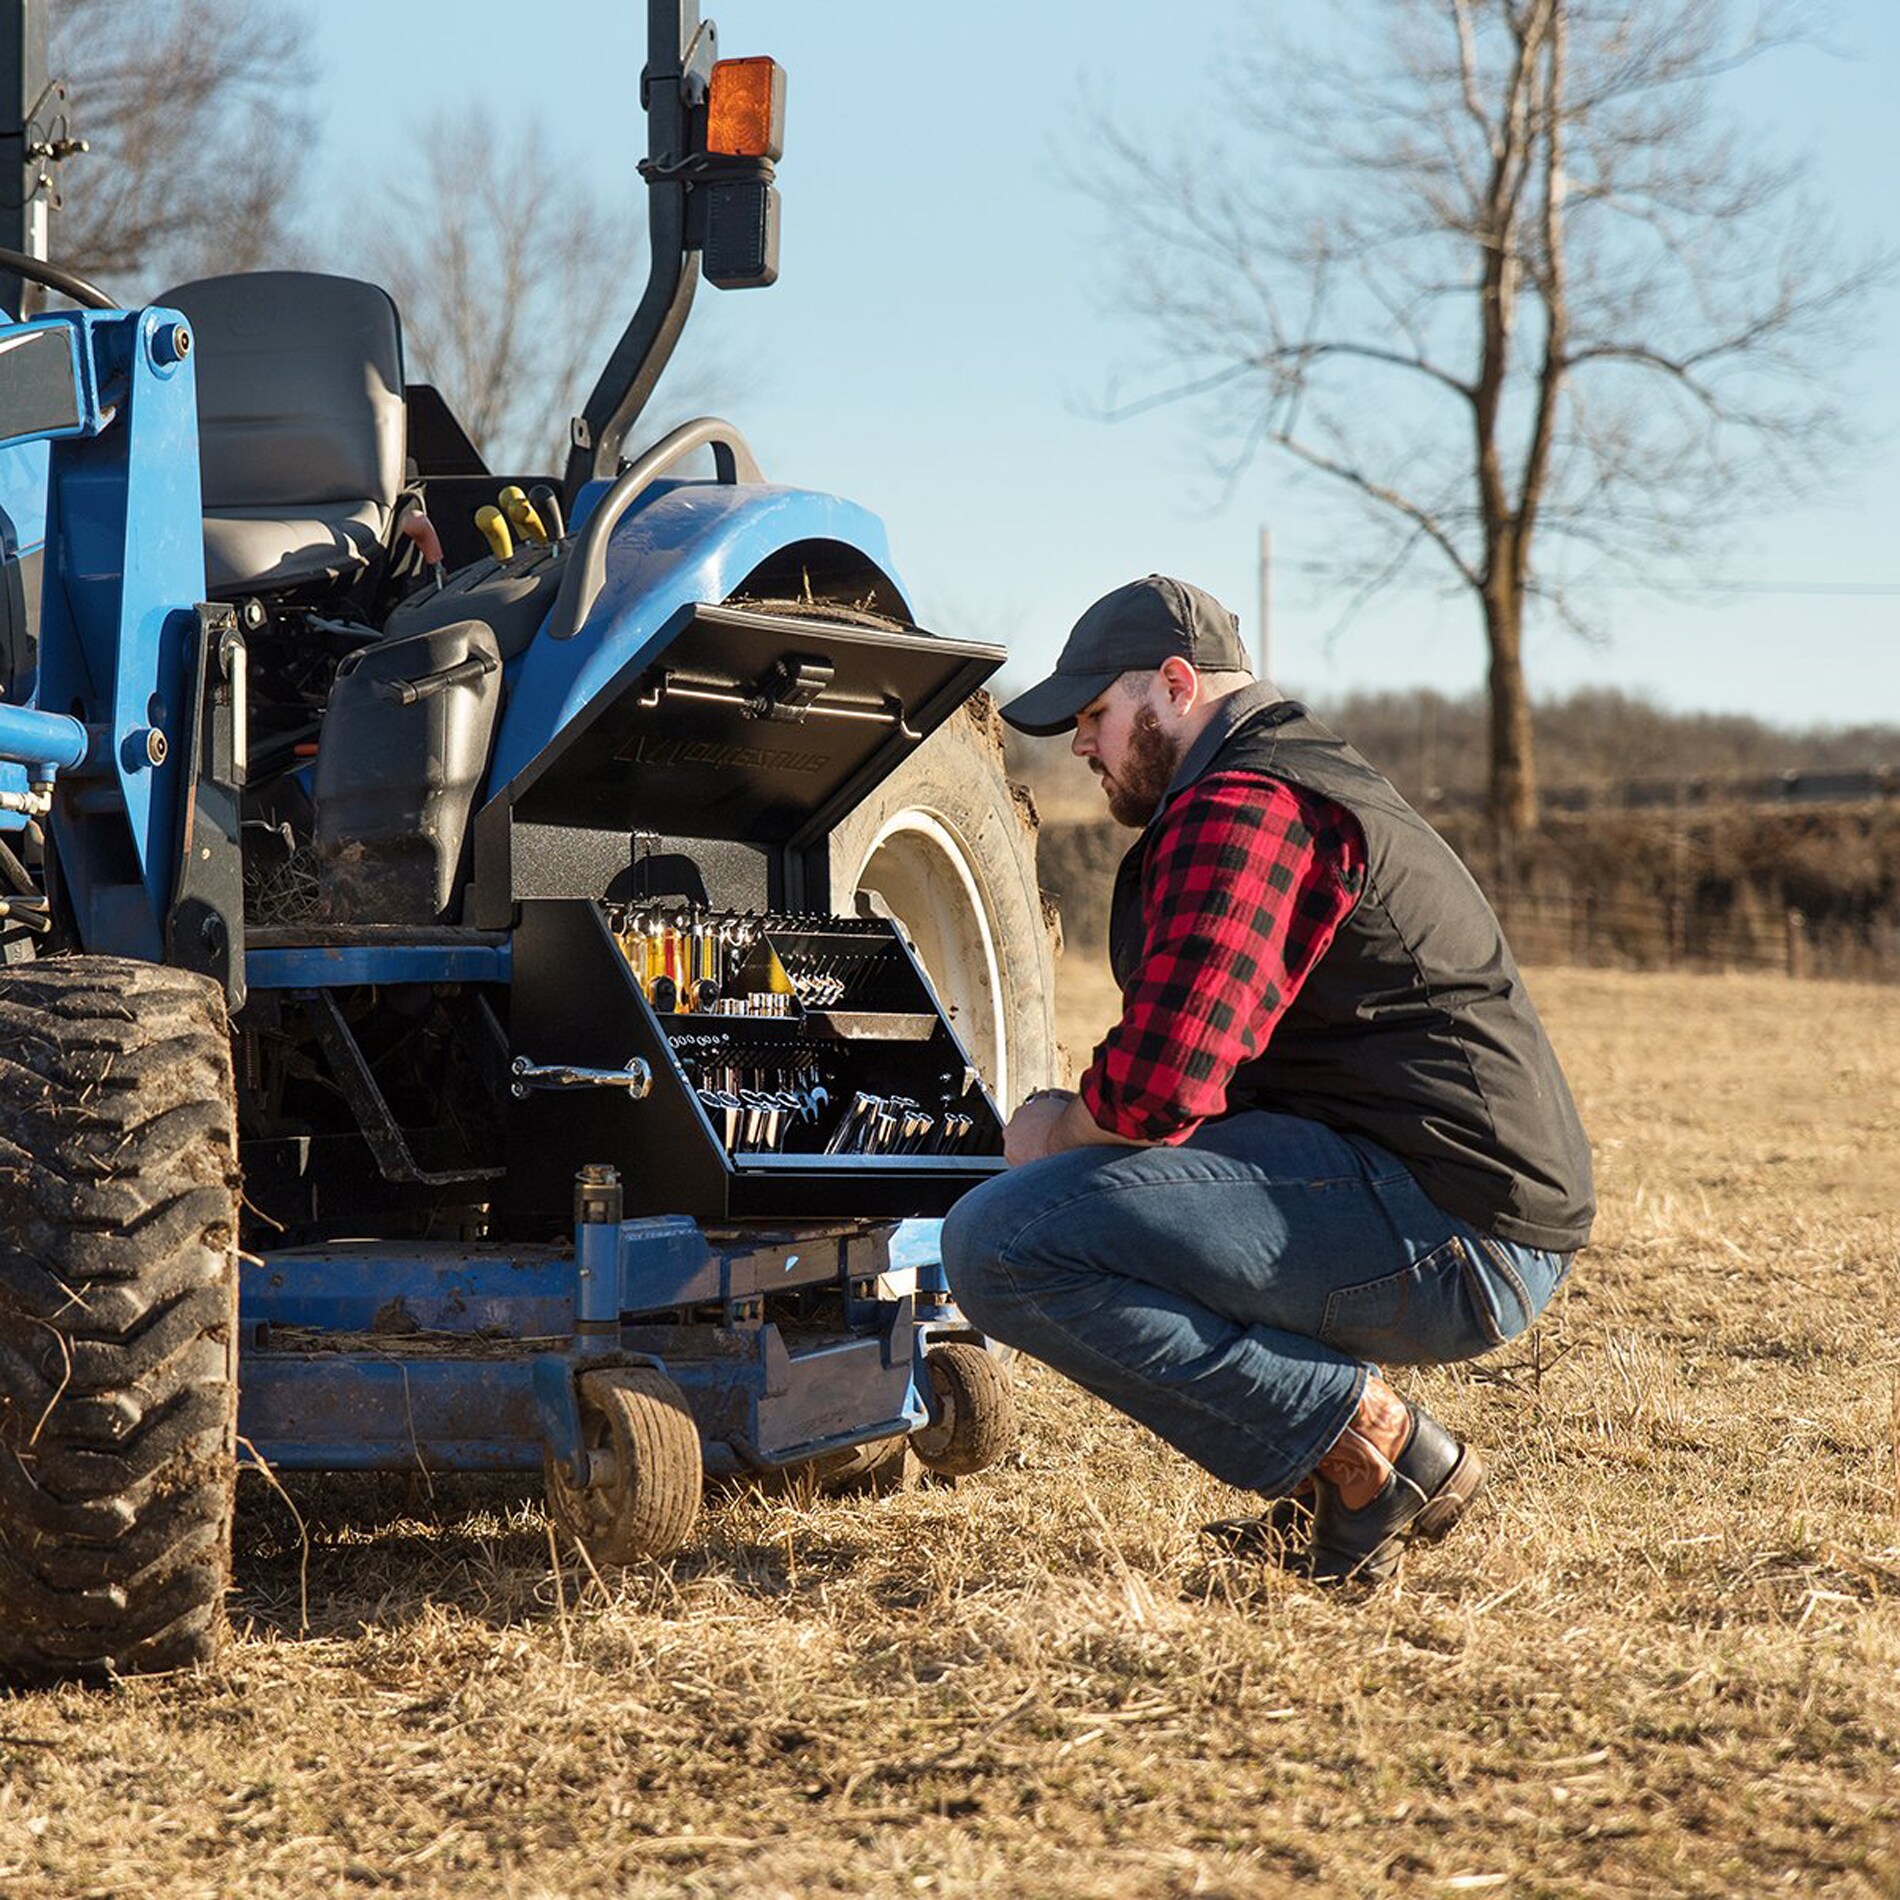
<point x="1028" y="1133"/>
<point x="1051" y="1121"/>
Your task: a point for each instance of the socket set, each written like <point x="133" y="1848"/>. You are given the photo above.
<point x="763" y="1098"/>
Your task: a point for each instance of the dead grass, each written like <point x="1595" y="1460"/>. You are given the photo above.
<point x="1664" y="1660"/>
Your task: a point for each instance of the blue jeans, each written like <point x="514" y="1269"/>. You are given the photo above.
<point x="1233" y="1293"/>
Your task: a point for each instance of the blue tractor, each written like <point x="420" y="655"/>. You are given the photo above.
<point x="495" y="974"/>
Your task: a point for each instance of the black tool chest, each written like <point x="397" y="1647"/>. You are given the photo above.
<point x="863" y="1107"/>
<point x="780" y="1063"/>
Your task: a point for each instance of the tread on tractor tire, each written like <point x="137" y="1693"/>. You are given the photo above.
<point x="948" y="843"/>
<point x="118" y="1318"/>
<point x="972" y="1423"/>
<point x="636" y="1419"/>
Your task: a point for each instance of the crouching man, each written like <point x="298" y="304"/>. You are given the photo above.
<point x="1328" y="1135"/>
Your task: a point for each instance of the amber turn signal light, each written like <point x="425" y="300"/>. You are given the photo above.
<point x="745" y="109"/>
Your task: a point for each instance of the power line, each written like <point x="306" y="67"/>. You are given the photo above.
<point x="1868" y="588"/>
<point x="1872" y="590"/>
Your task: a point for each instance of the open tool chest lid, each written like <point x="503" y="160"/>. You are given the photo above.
<point x="749" y="725"/>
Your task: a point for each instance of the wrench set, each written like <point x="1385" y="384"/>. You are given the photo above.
<point x="896" y="1125"/>
<point x="784" y="1099"/>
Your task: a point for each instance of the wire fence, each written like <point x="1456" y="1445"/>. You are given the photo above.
<point x="1692" y="793"/>
<point x="1583" y="928"/>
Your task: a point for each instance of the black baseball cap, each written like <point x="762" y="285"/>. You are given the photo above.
<point x="1131" y="630"/>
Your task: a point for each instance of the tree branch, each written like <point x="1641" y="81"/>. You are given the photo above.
<point x="1386" y="496"/>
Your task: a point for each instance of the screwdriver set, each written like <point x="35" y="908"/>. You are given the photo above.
<point x="689" y="960"/>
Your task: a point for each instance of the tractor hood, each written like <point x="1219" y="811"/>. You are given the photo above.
<point x="753" y="726"/>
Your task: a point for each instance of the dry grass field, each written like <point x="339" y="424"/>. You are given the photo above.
<point x="1663" y="1659"/>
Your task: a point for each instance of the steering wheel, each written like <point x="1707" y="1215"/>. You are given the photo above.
<point x="36" y="270"/>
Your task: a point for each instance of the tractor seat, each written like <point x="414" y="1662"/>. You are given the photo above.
<point x="300" y="426"/>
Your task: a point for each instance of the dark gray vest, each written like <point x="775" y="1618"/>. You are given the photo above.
<point x="1414" y="1029"/>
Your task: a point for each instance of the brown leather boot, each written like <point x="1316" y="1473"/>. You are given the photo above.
<point x="1359" y="1465"/>
<point x="1395" y="1475"/>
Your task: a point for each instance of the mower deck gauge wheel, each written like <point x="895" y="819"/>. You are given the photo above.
<point x="644" y="1462"/>
<point x="972" y="1423"/>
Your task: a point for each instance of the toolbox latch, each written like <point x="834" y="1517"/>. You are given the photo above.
<point x="790" y="686"/>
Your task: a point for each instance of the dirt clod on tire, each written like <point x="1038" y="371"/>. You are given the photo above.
<point x="118" y="1318"/>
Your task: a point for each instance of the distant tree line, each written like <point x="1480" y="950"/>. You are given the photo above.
<point x="1433" y="744"/>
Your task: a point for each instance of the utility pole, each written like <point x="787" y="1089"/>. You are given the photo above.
<point x="23" y="181"/>
<point x="1265" y="670"/>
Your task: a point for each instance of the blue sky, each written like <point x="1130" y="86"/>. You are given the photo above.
<point x="939" y="343"/>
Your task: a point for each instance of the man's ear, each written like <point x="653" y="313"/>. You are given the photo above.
<point x="1180" y="683"/>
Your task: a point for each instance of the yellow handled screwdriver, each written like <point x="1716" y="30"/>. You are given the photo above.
<point x="495" y="532"/>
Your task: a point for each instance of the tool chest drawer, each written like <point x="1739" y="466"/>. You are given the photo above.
<point x="737" y="1066"/>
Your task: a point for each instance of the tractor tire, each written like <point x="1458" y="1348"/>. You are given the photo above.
<point x="118" y="1318"/>
<point x="948" y="845"/>
<point x="972" y="1423"/>
<point x="636" y="1420"/>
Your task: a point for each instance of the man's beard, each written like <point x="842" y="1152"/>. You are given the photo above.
<point x="1134" y="793"/>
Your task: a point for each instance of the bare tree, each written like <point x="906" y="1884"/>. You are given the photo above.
<point x="192" y="111"/>
<point x="511" y="283"/>
<point x="1507" y="274"/>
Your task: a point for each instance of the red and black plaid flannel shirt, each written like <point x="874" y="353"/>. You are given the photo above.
<point x="1246" y="880"/>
